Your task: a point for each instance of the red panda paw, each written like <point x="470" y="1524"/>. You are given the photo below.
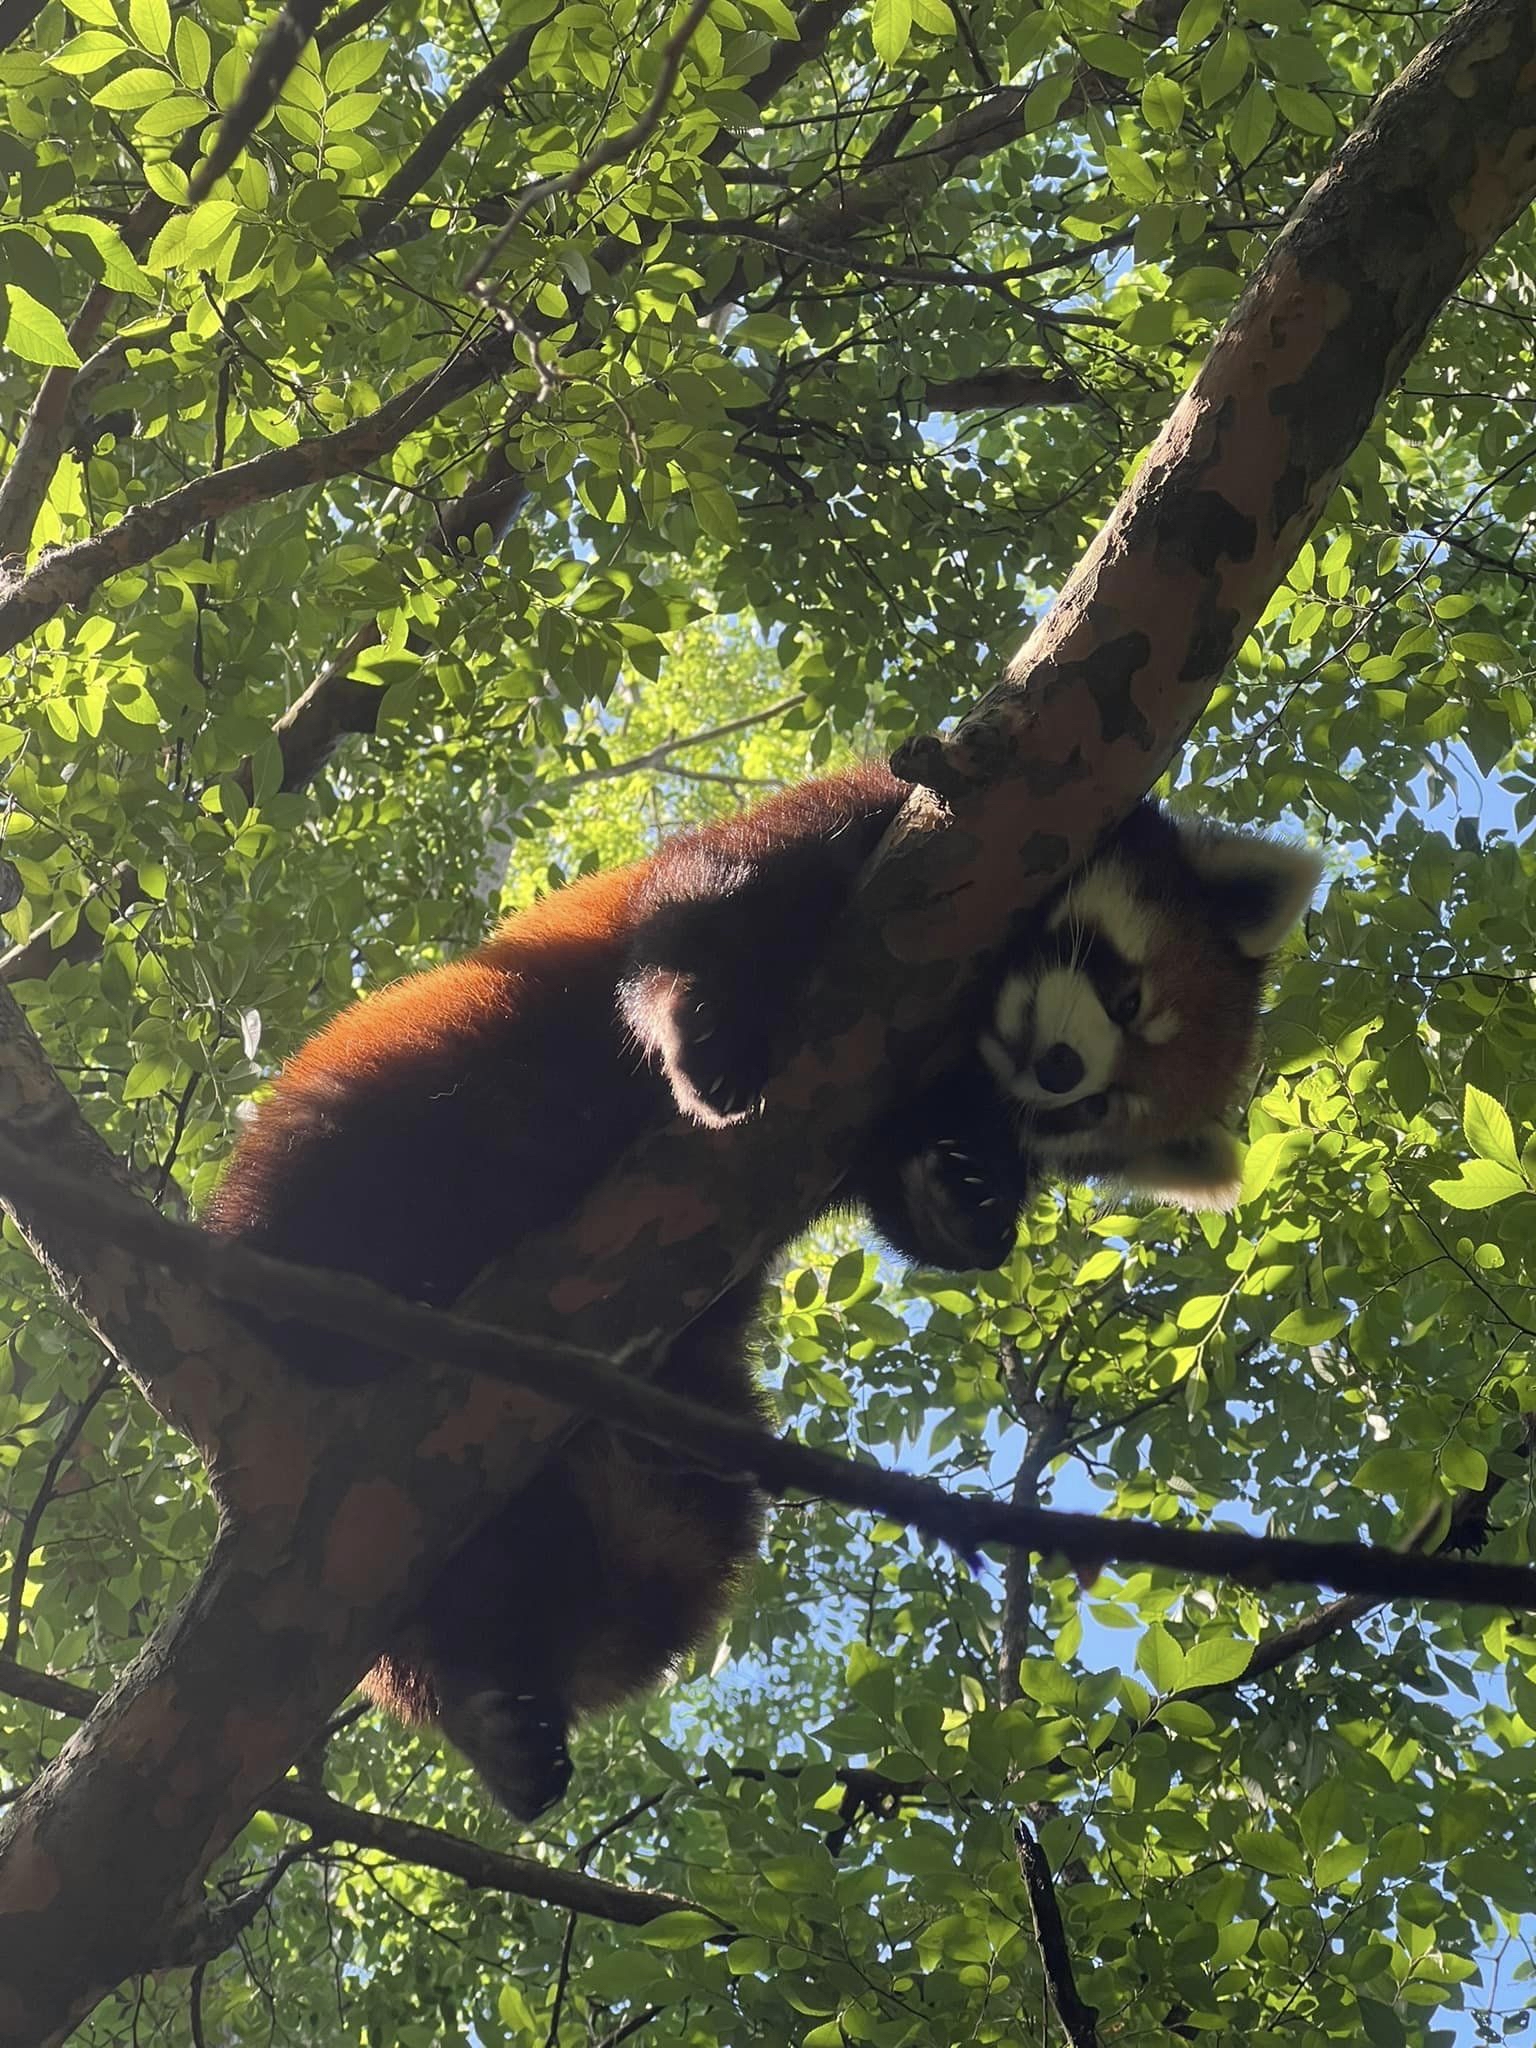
<point x="960" y="1215"/>
<point x="516" y="1742"/>
<point x="715" y="1052"/>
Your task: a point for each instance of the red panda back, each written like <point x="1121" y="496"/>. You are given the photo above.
<point x="430" y="1126"/>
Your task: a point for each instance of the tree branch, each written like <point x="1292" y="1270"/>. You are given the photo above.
<point x="276" y="54"/>
<point x="576" y="1378"/>
<point x="329" y="1820"/>
<point x="69" y="575"/>
<point x="1080" y="2022"/>
<point x="468" y="105"/>
<point x="659" y="755"/>
<point x="16" y="17"/>
<point x="26" y="482"/>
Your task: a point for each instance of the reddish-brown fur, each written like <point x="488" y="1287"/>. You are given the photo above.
<point x="427" y="1130"/>
<point x="432" y="1126"/>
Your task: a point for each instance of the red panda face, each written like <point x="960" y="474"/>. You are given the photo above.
<point x="1125" y="1035"/>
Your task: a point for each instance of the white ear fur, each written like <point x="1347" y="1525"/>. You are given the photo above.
<point x="1201" y="1171"/>
<point x="1262" y="887"/>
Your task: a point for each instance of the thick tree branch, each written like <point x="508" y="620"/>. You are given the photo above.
<point x="70" y="574"/>
<point x="16" y="17"/>
<point x="333" y="708"/>
<point x="1009" y="388"/>
<point x="345" y="21"/>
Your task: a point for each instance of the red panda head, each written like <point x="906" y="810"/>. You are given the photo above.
<point x="1126" y="1032"/>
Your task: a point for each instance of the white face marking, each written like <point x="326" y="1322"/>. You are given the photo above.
<point x="1013" y="1000"/>
<point x="1163" y="1028"/>
<point x="1001" y="1063"/>
<point x="1068" y="1012"/>
<point x="1104" y="900"/>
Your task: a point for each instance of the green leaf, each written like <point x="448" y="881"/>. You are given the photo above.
<point x="35" y="333"/>
<point x="148" y="1077"/>
<point x="150" y="21"/>
<point x="1488" y="1128"/>
<point x="194" y="52"/>
<point x="1216" y="1661"/>
<point x="352" y="110"/>
<point x="1487" y="648"/>
<point x="1161" y="1658"/>
<point x="890" y="25"/>
<point x="1464" y="1465"/>
<point x="190" y="240"/>
<point x="83" y="54"/>
<point x="934" y="17"/>
<point x="1265" y="1157"/>
<point x="1131" y="174"/>
<point x="1312" y="1325"/>
<point x="1326" y="1811"/>
<point x="1269" y="1851"/>
<point x="1304" y="110"/>
<point x="1252" y="124"/>
<point x="1224" y="66"/>
<point x="846" y="1276"/>
<point x="119" y="268"/>
<point x="513" y="2009"/>
<point x="1480" y="1184"/>
<point x="1163" y="103"/>
<point x="1117" y="55"/>
<point x="130" y="90"/>
<point x="1196" y="22"/>
<point x="1199" y="1310"/>
<point x="353" y="64"/>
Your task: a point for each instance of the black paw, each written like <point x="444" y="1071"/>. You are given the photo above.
<point x="959" y="1214"/>
<point x="516" y="1742"/>
<point x="717" y="1062"/>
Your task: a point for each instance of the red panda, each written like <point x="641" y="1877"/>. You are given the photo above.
<point x="424" y="1131"/>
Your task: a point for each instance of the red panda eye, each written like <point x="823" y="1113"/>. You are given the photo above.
<point x="1125" y="1007"/>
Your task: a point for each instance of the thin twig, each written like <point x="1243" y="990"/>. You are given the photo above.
<point x="29" y="1528"/>
<point x="655" y="757"/>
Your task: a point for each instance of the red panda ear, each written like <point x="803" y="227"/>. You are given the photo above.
<point x="1200" y="1171"/>
<point x="1258" y="888"/>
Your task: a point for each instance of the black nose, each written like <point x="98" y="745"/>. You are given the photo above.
<point x="1059" y="1069"/>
